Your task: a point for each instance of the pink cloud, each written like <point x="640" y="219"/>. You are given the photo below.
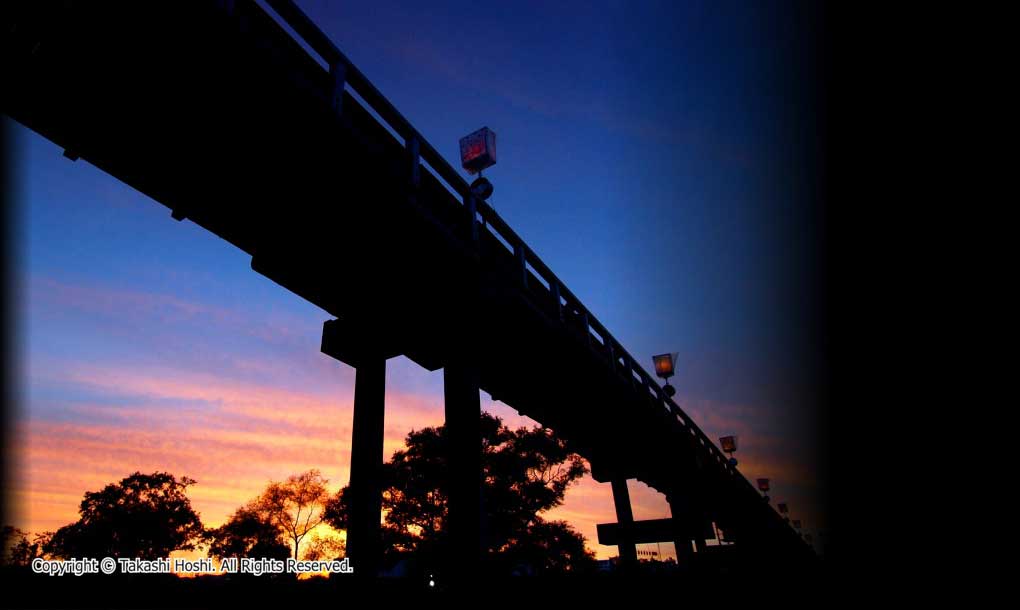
<point x="234" y="435"/>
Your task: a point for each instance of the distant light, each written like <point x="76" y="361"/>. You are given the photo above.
<point x="664" y="368"/>
<point x="729" y="443"/>
<point x="478" y="150"/>
<point x="432" y="583"/>
<point x="664" y="365"/>
<point x="763" y="484"/>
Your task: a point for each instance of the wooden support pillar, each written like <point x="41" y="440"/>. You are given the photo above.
<point x="463" y="430"/>
<point x="682" y="539"/>
<point x="625" y="517"/>
<point x="363" y="533"/>
<point x="700" y="544"/>
<point x="688" y="511"/>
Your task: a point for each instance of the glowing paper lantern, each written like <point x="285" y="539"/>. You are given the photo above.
<point x="664" y="365"/>
<point x="763" y="484"/>
<point x="664" y="369"/>
<point x="478" y="150"/>
<point x="729" y="443"/>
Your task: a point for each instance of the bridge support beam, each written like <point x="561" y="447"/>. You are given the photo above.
<point x="682" y="539"/>
<point x="625" y="517"/>
<point x="363" y="533"/>
<point x="464" y="438"/>
<point x="687" y="509"/>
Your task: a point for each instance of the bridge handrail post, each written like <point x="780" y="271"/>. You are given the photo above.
<point x="522" y="263"/>
<point x="586" y="325"/>
<point x="338" y="74"/>
<point x="413" y="150"/>
<point x="555" y="286"/>
<point x="472" y="214"/>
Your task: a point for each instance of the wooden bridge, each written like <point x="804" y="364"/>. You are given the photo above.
<point x="247" y="120"/>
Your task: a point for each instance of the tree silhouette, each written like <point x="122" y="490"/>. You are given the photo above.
<point x="144" y="515"/>
<point x="250" y="532"/>
<point x="325" y="547"/>
<point x="295" y="506"/>
<point x="16" y="550"/>
<point x="525" y="472"/>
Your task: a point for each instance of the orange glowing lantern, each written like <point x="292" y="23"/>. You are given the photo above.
<point x="664" y="369"/>
<point x="664" y="364"/>
<point x="729" y="443"/>
<point x="478" y="150"/>
<point x="763" y="485"/>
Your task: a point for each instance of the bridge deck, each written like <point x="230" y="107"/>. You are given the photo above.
<point x="217" y="112"/>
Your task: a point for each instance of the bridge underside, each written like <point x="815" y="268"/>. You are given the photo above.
<point x="214" y="111"/>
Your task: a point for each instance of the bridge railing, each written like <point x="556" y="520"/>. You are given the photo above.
<point x="599" y="339"/>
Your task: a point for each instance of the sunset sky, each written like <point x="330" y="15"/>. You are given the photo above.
<point x="657" y="157"/>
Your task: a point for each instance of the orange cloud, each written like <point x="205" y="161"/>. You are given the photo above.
<point x="239" y="439"/>
<point x="234" y="435"/>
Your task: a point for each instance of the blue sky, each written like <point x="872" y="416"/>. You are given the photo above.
<point x="656" y="154"/>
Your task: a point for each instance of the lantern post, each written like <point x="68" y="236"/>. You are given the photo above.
<point x="664" y="368"/>
<point x="729" y="445"/>
<point x="763" y="487"/>
<point x="477" y="152"/>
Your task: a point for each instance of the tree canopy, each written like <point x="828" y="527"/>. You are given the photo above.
<point x="296" y="505"/>
<point x="526" y="471"/>
<point x="144" y="515"/>
<point x="17" y="550"/>
<point x="250" y="532"/>
<point x="274" y="524"/>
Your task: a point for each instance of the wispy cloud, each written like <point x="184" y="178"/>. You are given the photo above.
<point x="237" y="422"/>
<point x="564" y="102"/>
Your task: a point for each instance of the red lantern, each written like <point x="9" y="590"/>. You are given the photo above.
<point x="729" y="443"/>
<point x="478" y="150"/>
<point x="664" y="364"/>
<point x="763" y="484"/>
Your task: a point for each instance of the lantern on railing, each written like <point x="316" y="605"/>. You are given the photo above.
<point x="783" y="510"/>
<point x="763" y="487"/>
<point x="664" y="368"/>
<point x="477" y="152"/>
<point x="796" y="524"/>
<point x="729" y="445"/>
